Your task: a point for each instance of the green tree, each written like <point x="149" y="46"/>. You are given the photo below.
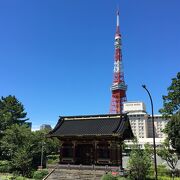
<point x="23" y="148"/>
<point x="18" y="144"/>
<point x="21" y="162"/>
<point x="169" y="155"/>
<point x="11" y="112"/>
<point x="139" y="162"/>
<point x="14" y="138"/>
<point x="172" y="129"/>
<point x="50" y="146"/>
<point x="171" y="102"/>
<point x="17" y="147"/>
<point x="171" y="109"/>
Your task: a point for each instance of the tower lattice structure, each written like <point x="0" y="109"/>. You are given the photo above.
<point x="118" y="87"/>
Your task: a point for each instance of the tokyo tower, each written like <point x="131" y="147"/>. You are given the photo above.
<point x="118" y="87"/>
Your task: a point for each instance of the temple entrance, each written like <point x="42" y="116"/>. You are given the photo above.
<point x="84" y="154"/>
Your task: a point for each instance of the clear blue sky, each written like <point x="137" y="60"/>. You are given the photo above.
<point x="56" y="56"/>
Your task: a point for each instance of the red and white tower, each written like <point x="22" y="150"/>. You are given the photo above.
<point x="118" y="87"/>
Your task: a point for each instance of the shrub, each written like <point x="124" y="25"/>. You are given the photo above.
<point x="52" y="159"/>
<point x="14" y="177"/>
<point x="20" y="178"/>
<point x="139" y="165"/>
<point x="164" y="178"/>
<point x="177" y="172"/>
<point x="108" y="177"/>
<point x="139" y="161"/>
<point x="39" y="174"/>
<point x="122" y="178"/>
<point x="4" y="166"/>
<point x="161" y="169"/>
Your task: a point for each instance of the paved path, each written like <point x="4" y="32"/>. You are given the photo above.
<point x="64" y="174"/>
<point x="79" y="172"/>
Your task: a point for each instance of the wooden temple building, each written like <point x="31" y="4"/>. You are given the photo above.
<point x="92" y="139"/>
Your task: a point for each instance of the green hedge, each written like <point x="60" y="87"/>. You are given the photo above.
<point x="40" y="174"/>
<point x="20" y="178"/>
<point x="52" y="159"/>
<point x="108" y="177"/>
<point x="163" y="174"/>
<point x="12" y="177"/>
<point x="163" y="171"/>
<point x="4" y="166"/>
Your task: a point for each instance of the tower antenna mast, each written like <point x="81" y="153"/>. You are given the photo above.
<point x="118" y="87"/>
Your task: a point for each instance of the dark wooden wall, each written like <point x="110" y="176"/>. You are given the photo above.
<point x="98" y="152"/>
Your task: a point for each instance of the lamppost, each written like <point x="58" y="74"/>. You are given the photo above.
<point x="42" y="151"/>
<point x="154" y="143"/>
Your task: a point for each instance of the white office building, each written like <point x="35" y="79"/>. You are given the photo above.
<point x="141" y="124"/>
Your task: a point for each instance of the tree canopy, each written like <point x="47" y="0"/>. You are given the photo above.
<point x="139" y="161"/>
<point x="15" y="137"/>
<point x="172" y="129"/>
<point x="11" y="112"/>
<point x="171" y="102"/>
<point x="171" y="109"/>
<point x="19" y="146"/>
<point x="23" y="148"/>
<point x="168" y="154"/>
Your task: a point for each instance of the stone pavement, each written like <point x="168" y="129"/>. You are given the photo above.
<point x="75" y="174"/>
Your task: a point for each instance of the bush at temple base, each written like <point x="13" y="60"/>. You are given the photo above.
<point x="139" y="162"/>
<point x="53" y="159"/>
<point x="4" y="166"/>
<point x="40" y="174"/>
<point x="108" y="177"/>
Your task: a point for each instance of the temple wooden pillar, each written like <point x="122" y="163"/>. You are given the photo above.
<point x="119" y="154"/>
<point x="116" y="153"/>
<point x="95" y="152"/>
<point x="60" y="151"/>
<point x="74" y="152"/>
<point x="113" y="153"/>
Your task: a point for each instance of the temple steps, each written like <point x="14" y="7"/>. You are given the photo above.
<point x="75" y="174"/>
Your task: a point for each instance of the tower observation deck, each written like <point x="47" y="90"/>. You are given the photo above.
<point x="118" y="87"/>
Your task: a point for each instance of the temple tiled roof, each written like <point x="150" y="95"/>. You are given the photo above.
<point x="96" y="125"/>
